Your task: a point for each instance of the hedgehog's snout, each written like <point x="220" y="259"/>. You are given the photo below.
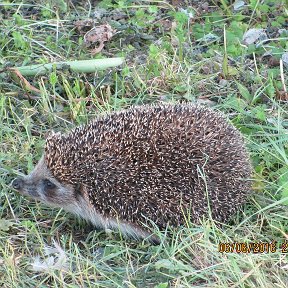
<point x="23" y="187"/>
<point x="17" y="183"/>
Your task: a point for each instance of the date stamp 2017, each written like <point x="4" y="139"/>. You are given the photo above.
<point x="253" y="247"/>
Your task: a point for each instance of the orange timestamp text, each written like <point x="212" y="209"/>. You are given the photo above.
<point x="253" y="247"/>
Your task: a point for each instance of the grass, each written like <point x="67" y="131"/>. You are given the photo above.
<point x="190" y="53"/>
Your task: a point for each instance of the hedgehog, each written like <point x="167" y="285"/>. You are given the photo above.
<point x="144" y="166"/>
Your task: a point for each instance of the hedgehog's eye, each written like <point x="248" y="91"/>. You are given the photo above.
<point x="48" y="184"/>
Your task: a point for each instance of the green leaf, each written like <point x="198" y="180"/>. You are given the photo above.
<point x="244" y="92"/>
<point x="283" y="183"/>
<point x="164" y="263"/>
<point x="162" y="285"/>
<point x="84" y="66"/>
<point x="5" y="224"/>
<point x="19" y="41"/>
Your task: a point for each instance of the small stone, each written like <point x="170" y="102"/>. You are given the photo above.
<point x="254" y="36"/>
<point x="285" y="59"/>
<point x="223" y="82"/>
<point x="238" y="5"/>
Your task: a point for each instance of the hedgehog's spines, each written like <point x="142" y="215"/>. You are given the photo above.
<point x="149" y="161"/>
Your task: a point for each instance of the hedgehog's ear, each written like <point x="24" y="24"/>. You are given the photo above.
<point x="50" y="134"/>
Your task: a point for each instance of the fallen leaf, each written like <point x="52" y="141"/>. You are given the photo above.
<point x="84" y="25"/>
<point x="282" y="95"/>
<point x="273" y="62"/>
<point x="165" y="24"/>
<point x="23" y="81"/>
<point x="177" y="3"/>
<point x="98" y="35"/>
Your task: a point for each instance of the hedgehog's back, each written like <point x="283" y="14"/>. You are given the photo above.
<point x="157" y="162"/>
